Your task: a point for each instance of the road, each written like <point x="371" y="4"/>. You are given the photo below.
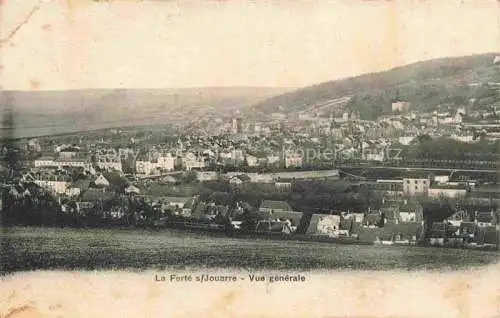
<point x="418" y="168"/>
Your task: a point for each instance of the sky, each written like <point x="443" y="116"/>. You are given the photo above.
<point x="170" y="44"/>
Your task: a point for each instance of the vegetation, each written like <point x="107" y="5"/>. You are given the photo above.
<point x="449" y="149"/>
<point x="25" y="249"/>
<point x="425" y="84"/>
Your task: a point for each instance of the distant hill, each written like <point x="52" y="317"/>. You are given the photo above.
<point x="49" y="112"/>
<point x="427" y="84"/>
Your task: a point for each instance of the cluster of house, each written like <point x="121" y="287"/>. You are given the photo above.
<point x="456" y="185"/>
<point x="476" y="226"/>
<point x="397" y="220"/>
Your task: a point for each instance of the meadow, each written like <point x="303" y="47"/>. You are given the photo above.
<point x="24" y="249"/>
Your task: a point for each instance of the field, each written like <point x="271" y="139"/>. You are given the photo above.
<point x="49" y="248"/>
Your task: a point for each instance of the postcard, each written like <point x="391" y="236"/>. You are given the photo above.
<point x="249" y="158"/>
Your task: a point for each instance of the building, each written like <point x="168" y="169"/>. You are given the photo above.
<point x="63" y="161"/>
<point x="447" y="190"/>
<point x="237" y="125"/>
<point x="252" y="161"/>
<point x="410" y="211"/>
<point x="283" y="186"/>
<point x="413" y="186"/>
<point x="166" y="162"/>
<point x="400" y="106"/>
<point x="77" y="188"/>
<point x="144" y="167"/>
<point x="390" y="188"/>
<point x="293" y="159"/>
<point x="206" y="175"/>
<point x="328" y="225"/>
<point x="56" y="183"/>
<point x="131" y="189"/>
<point x="485" y="219"/>
<point x="154" y="164"/>
<point x="101" y="181"/>
<point x="45" y="161"/>
<point x="457" y="218"/>
<point x="274" y="206"/>
<point x="273" y="160"/>
<point x="235" y="180"/>
<point x="190" y="161"/>
<point x="69" y="153"/>
<point x="109" y="162"/>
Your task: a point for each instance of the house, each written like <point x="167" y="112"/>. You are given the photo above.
<point x="293" y="217"/>
<point x="389" y="214"/>
<point x="400" y="106"/>
<point x="110" y="161"/>
<point x="283" y="186"/>
<point x="265" y="226"/>
<point x="273" y="160"/>
<point x="165" y="162"/>
<point x="347" y="223"/>
<point x="485" y="218"/>
<point x="206" y="175"/>
<point x="154" y="163"/>
<point x="272" y="206"/>
<point x="68" y="151"/>
<point x="101" y="181"/>
<point x="131" y="189"/>
<point x="458" y="217"/>
<point x="117" y="182"/>
<point x="190" y="161"/>
<point x="93" y="199"/>
<point x="410" y="211"/>
<point x="293" y="159"/>
<point x="356" y="217"/>
<point x="372" y="220"/>
<point x="45" y="161"/>
<point x="488" y="236"/>
<point x="169" y="179"/>
<point x="235" y="180"/>
<point x="252" y="161"/>
<point x="16" y="192"/>
<point x="54" y="182"/>
<point x="322" y="224"/>
<point x="180" y="202"/>
<point x="467" y="229"/>
<point x="201" y="210"/>
<point x="78" y="187"/>
<point x="437" y="233"/>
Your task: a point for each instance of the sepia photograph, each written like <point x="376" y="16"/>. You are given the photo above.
<point x="249" y="158"/>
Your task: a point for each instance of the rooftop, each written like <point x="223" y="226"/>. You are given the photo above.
<point x="275" y="205"/>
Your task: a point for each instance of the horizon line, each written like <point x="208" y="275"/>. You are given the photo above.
<point x="40" y="90"/>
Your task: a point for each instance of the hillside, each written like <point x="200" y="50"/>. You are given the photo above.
<point x="426" y="84"/>
<point x="48" y="112"/>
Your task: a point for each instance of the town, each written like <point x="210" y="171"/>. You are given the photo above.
<point x="405" y="176"/>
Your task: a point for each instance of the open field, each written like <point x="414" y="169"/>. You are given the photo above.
<point x="50" y="248"/>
